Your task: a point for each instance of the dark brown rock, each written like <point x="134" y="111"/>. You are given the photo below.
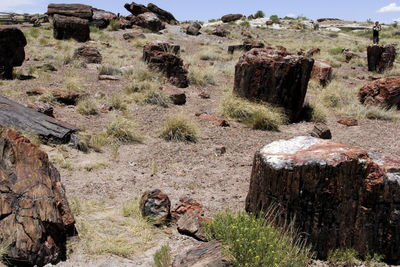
<point x="149" y="21"/>
<point x="313" y="51"/>
<point x="12" y="53"/>
<point x="89" y="54"/>
<point x="101" y="18"/>
<point x="383" y="92"/>
<point x="204" y="95"/>
<point x="136" y="9"/>
<point x="156" y="205"/>
<point x="161" y="13"/>
<point x="273" y="76"/>
<point x="193" y="28"/>
<point x="67" y="97"/>
<point x="70" y="27"/>
<point x="156" y="55"/>
<point x="322" y="131"/>
<point x="209" y="254"/>
<point x="348" y="122"/>
<point x="186" y="205"/>
<point x="341" y="196"/>
<point x="192" y="225"/>
<point x="72" y="10"/>
<point x="380" y="58"/>
<point x="133" y="35"/>
<point x="220" y="31"/>
<point x="247" y="45"/>
<point x="34" y="215"/>
<point x="177" y="96"/>
<point x="322" y="71"/>
<point x="231" y="17"/>
<point x="42" y="108"/>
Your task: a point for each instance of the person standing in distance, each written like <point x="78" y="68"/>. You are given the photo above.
<point x="376" y="29"/>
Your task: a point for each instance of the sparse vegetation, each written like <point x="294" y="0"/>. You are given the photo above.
<point x="114" y="25"/>
<point x="87" y="106"/>
<point x="257" y="241"/>
<point x="259" y="14"/>
<point x="162" y="257"/>
<point x="275" y="19"/>
<point x="122" y="130"/>
<point x="180" y="127"/>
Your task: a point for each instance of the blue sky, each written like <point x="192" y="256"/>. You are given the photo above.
<point x="360" y="10"/>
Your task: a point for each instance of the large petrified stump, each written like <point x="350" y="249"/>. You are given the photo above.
<point x="12" y="53"/>
<point x="35" y="218"/>
<point x="380" y="58"/>
<point x="274" y="76"/>
<point x="65" y="27"/>
<point x="157" y="55"/>
<point x="382" y="92"/>
<point x="340" y="195"/>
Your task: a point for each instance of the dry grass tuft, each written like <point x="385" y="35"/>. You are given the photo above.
<point x="123" y="130"/>
<point x="87" y="106"/>
<point x="180" y="127"/>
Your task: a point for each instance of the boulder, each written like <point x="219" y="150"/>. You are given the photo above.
<point x="156" y="55"/>
<point x="383" y="92"/>
<point x="191" y="224"/>
<point x="12" y="53"/>
<point x="210" y="254"/>
<point x="136" y="9"/>
<point x="72" y="10"/>
<point x="340" y="196"/>
<point x="248" y="44"/>
<point x="231" y="17"/>
<point x="161" y="13"/>
<point x="322" y="71"/>
<point x="35" y="217"/>
<point x="101" y="18"/>
<point x="275" y="77"/>
<point x="89" y="54"/>
<point x="193" y="28"/>
<point x="133" y="35"/>
<point x="220" y="31"/>
<point x="313" y="51"/>
<point x="149" y="21"/>
<point x="380" y="58"/>
<point x="156" y="205"/>
<point x="70" y="27"/>
<point x="348" y="122"/>
<point x="322" y="131"/>
<point x="186" y="205"/>
<point x="177" y="96"/>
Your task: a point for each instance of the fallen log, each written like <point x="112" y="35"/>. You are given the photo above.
<point x="28" y="120"/>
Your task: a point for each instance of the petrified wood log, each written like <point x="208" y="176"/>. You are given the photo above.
<point x="275" y="77"/>
<point x="161" y="13"/>
<point x="383" y="92"/>
<point x="380" y="58"/>
<point x="33" y="122"/>
<point x="322" y="71"/>
<point x="65" y="27"/>
<point x="35" y="218"/>
<point x="12" y="53"/>
<point x="340" y="195"/>
<point x="72" y="10"/>
<point x="322" y="131"/>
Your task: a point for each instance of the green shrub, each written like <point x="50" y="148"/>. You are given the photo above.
<point x="162" y="257"/>
<point x="108" y="70"/>
<point x="274" y="19"/>
<point x="114" y="25"/>
<point x="259" y="14"/>
<point x="255" y="241"/>
<point x="179" y="127"/>
<point x="348" y="256"/>
<point x="335" y="51"/>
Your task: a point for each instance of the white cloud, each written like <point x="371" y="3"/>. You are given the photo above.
<point x="291" y="15"/>
<point x="393" y="7"/>
<point x="14" y="4"/>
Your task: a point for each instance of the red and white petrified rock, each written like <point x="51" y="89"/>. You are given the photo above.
<point x="384" y="92"/>
<point x="340" y="195"/>
<point x="322" y="71"/>
<point x="275" y="77"/>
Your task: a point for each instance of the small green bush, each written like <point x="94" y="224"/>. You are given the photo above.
<point x="275" y="19"/>
<point x="162" y="257"/>
<point x="259" y="14"/>
<point x="179" y="127"/>
<point x="114" y="25"/>
<point x="347" y="256"/>
<point x="255" y="241"/>
<point x="335" y="51"/>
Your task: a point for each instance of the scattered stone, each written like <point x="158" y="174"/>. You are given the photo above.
<point x="348" y="122"/>
<point x="220" y="123"/>
<point x="12" y="53"/>
<point x="133" y="35"/>
<point x="322" y="71"/>
<point x="37" y="91"/>
<point x="156" y="205"/>
<point x="89" y="54"/>
<point x="380" y="58"/>
<point x="231" y="17"/>
<point x="124" y="23"/>
<point x="191" y="224"/>
<point x="67" y="97"/>
<point x="35" y="216"/>
<point x="220" y="31"/>
<point x="269" y="22"/>
<point x="373" y="78"/>
<point x="108" y="78"/>
<point x="193" y="28"/>
<point x="101" y="18"/>
<point x="42" y="108"/>
<point x="247" y="34"/>
<point x="177" y="96"/>
<point x="247" y="45"/>
<point x="186" y="205"/>
<point x="313" y="51"/>
<point x="339" y="195"/>
<point x="322" y="131"/>
<point x="156" y="55"/>
<point x="70" y="10"/>
<point x="349" y="55"/>
<point x="204" y="95"/>
<point x="220" y="150"/>
<point x="149" y="21"/>
<point x="382" y="92"/>
<point x="207" y="254"/>
<point x="65" y="28"/>
<point x="274" y="76"/>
